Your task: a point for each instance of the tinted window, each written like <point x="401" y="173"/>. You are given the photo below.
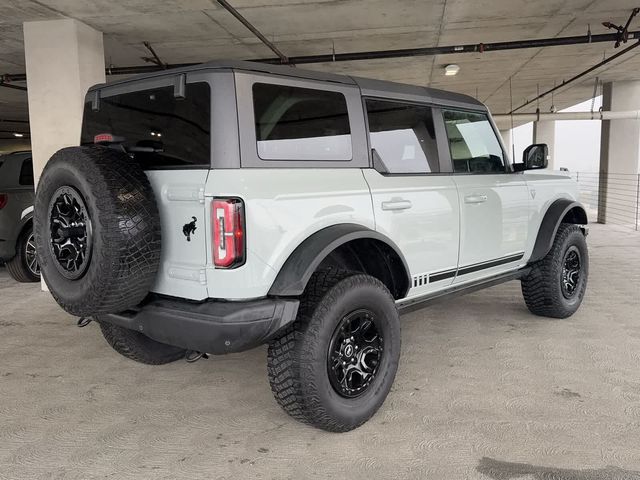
<point x="403" y="136"/>
<point x="473" y="143"/>
<point x="154" y="126"/>
<point x="300" y="123"/>
<point x="26" y="172"/>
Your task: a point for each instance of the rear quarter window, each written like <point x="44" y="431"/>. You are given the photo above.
<point x="154" y="126"/>
<point x="294" y="123"/>
<point x="26" y="173"/>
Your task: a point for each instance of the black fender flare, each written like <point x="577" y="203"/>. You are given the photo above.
<point x="551" y="222"/>
<point x="305" y="259"/>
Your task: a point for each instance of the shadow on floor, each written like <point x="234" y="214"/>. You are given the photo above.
<point x="499" y="470"/>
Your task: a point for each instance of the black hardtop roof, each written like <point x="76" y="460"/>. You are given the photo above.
<point x="367" y="85"/>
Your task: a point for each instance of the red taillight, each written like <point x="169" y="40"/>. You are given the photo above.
<point x="227" y="218"/>
<point x="4" y="198"/>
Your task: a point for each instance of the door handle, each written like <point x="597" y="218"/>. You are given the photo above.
<point x="396" y="205"/>
<point x="475" y="199"/>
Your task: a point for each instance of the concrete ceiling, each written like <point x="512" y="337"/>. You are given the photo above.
<point x="200" y="30"/>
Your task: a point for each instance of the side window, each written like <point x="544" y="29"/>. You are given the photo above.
<point x="473" y="143"/>
<point x="154" y="126"/>
<point x="300" y="123"/>
<point x="26" y="173"/>
<point x="403" y="136"/>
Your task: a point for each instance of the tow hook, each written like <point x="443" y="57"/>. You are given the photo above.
<point x="192" y="356"/>
<point x="84" y="321"/>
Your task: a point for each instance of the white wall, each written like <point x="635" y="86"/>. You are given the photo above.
<point x="522" y="138"/>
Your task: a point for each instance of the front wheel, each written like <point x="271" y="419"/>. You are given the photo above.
<point x="556" y="284"/>
<point x="334" y="367"/>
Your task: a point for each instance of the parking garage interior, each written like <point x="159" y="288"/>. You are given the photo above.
<point x="485" y="390"/>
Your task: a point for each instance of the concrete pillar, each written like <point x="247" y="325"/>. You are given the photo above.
<point x="619" y="153"/>
<point x="545" y="132"/>
<point x="63" y="59"/>
<point x="507" y="139"/>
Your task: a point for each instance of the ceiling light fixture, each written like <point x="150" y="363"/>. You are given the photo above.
<point x="18" y="135"/>
<point x="451" y="70"/>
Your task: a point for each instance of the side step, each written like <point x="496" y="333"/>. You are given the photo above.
<point x="409" y="305"/>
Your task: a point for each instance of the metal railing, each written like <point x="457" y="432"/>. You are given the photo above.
<point x="612" y="198"/>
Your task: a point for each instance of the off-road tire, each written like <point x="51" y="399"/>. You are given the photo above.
<point x="125" y="226"/>
<point x="542" y="287"/>
<point x="136" y="346"/>
<point x="297" y="360"/>
<point x="17" y="266"/>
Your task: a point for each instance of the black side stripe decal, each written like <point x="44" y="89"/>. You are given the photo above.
<point x="436" y="277"/>
<point x="493" y="263"/>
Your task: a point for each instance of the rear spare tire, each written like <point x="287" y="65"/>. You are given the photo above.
<point x="97" y="230"/>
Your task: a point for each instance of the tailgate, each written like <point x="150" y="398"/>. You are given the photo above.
<point x="180" y="200"/>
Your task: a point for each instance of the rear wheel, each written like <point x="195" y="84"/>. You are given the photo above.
<point x="138" y="347"/>
<point x="334" y="367"/>
<point x="24" y="266"/>
<point x="556" y="284"/>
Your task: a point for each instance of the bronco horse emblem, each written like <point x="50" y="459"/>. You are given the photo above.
<point x="189" y="228"/>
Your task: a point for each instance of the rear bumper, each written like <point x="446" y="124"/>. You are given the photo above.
<point x="212" y="326"/>
<point x="7" y="250"/>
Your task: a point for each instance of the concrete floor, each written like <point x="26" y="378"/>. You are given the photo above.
<point x="485" y="390"/>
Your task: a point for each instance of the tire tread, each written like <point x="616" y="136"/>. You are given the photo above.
<point x="292" y="385"/>
<point x="539" y="287"/>
<point x="17" y="266"/>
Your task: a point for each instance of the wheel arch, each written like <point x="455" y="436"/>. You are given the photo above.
<point x="560" y="211"/>
<point x="26" y="221"/>
<point x="329" y="245"/>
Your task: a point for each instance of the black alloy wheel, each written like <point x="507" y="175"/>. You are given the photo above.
<point x="30" y="256"/>
<point x="70" y="232"/>
<point x="354" y="353"/>
<point x="571" y="270"/>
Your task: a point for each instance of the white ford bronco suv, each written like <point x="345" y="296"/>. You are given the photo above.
<point x="218" y="207"/>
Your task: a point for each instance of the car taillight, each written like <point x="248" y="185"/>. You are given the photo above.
<point x="4" y="198"/>
<point x="228" y="232"/>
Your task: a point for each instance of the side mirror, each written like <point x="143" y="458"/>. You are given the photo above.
<point x="535" y="157"/>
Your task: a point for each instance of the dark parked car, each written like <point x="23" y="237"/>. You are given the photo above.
<point x="17" y="246"/>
